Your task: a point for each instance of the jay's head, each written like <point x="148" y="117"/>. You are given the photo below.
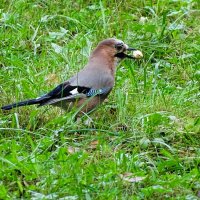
<point x="115" y="48"/>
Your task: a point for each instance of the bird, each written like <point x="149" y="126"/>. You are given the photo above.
<point x="89" y="87"/>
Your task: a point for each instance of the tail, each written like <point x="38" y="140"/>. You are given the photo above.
<point x="22" y="103"/>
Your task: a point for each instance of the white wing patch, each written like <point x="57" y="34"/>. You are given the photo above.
<point x="74" y="91"/>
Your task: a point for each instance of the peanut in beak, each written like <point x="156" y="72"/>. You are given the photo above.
<point x="137" y="54"/>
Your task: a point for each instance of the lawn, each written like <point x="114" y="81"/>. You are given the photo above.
<point x="144" y="141"/>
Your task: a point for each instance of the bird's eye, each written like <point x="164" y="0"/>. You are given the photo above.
<point x="119" y="46"/>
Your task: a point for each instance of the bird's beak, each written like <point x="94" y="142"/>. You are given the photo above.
<point x="130" y="49"/>
<point x="136" y="54"/>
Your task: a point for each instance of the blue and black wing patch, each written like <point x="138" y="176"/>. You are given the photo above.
<point x="94" y="92"/>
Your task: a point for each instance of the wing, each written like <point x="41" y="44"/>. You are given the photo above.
<point x="67" y="92"/>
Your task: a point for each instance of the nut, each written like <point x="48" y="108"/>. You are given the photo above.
<point x="137" y="54"/>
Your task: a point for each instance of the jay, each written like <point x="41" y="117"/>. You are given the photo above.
<point x="89" y="87"/>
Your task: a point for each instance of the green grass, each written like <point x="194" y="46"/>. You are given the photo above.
<point x="150" y="126"/>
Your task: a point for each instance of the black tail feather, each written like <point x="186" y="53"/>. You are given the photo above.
<point x="22" y="103"/>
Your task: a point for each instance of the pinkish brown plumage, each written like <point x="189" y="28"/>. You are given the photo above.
<point x="91" y="85"/>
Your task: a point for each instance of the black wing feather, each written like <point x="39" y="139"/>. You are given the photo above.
<point x="64" y="90"/>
